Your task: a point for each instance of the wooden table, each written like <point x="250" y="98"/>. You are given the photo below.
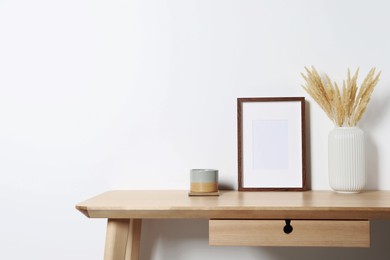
<point x="311" y="218"/>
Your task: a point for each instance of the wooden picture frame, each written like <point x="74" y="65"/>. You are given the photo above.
<point x="271" y="144"/>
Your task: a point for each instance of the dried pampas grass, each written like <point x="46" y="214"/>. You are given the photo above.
<point x="345" y="106"/>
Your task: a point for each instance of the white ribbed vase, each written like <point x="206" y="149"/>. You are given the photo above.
<point x="346" y="159"/>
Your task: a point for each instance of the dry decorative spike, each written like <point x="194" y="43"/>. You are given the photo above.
<point x="345" y="106"/>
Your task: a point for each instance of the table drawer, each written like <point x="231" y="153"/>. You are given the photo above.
<point x="318" y="233"/>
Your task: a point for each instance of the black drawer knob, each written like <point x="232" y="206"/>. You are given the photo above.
<point x="288" y="228"/>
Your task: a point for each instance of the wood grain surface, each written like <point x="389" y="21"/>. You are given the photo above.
<point x="239" y="205"/>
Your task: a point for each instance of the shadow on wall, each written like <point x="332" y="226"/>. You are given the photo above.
<point x="188" y="240"/>
<point x="372" y="119"/>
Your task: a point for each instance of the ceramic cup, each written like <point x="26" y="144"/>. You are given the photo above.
<point x="204" y="180"/>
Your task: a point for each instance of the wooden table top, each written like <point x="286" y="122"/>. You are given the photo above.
<point x="155" y="204"/>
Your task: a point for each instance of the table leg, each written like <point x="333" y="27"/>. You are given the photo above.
<point x="123" y="239"/>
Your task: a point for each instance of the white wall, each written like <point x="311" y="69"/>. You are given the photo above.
<point x="100" y="95"/>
